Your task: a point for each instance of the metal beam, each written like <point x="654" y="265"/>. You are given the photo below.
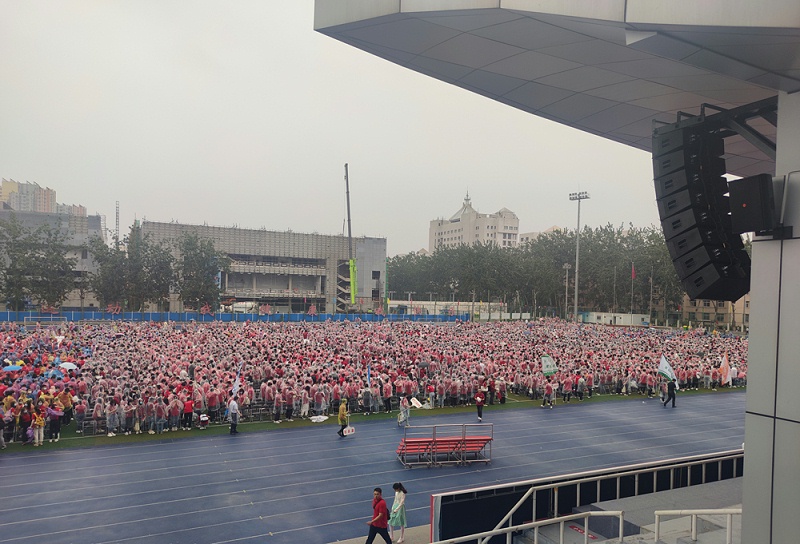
<point x="755" y="138"/>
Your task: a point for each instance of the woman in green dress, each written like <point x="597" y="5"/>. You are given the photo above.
<point x="397" y="516"/>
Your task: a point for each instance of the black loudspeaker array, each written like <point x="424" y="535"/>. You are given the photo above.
<point x="691" y="192"/>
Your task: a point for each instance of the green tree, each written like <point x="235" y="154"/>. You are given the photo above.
<point x="35" y="266"/>
<point x="17" y="243"/>
<point x="133" y="274"/>
<point x="149" y="271"/>
<point x="197" y="271"/>
<point x="51" y="270"/>
<point x="546" y="256"/>
<point x="109" y="280"/>
<point x="532" y="275"/>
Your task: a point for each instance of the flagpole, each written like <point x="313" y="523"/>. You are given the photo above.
<point x="632" y="274"/>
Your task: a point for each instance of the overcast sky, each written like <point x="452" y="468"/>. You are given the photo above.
<point x="238" y="113"/>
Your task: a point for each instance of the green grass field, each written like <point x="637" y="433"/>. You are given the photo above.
<point x="69" y="438"/>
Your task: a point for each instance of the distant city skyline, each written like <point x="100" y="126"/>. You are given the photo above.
<point x="245" y="116"/>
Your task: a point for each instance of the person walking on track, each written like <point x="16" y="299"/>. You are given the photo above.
<point x="397" y="518"/>
<point x="380" y="518"/>
<point x="671" y="386"/>
<point x="342" y="417"/>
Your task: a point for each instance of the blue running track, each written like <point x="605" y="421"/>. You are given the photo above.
<point x="308" y="486"/>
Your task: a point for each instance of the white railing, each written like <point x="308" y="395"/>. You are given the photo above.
<point x="727" y="512"/>
<point x="509" y="531"/>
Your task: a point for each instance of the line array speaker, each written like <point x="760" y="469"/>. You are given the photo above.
<point x="694" y="209"/>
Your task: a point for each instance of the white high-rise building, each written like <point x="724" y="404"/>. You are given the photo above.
<point x="467" y="226"/>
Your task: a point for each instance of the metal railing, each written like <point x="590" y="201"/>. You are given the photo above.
<point x="641" y="479"/>
<point x="535" y="525"/>
<point x="727" y="512"/>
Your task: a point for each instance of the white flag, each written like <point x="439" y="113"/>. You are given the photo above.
<point x="665" y="369"/>
<point x="238" y="382"/>
<point x="549" y="366"/>
<point x="725" y="371"/>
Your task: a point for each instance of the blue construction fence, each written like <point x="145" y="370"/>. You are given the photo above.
<point x="185" y="317"/>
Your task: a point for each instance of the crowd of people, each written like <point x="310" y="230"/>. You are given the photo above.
<point x="148" y="377"/>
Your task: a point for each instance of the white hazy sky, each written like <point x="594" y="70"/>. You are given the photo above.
<point x="239" y="113"/>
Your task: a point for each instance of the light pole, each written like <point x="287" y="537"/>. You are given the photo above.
<point x="566" y="268"/>
<point x="652" y="275"/>
<point x="583" y="195"/>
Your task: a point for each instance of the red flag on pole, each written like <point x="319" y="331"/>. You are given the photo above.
<point x="633" y="272"/>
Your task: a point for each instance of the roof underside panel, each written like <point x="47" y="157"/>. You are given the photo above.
<point x="606" y="77"/>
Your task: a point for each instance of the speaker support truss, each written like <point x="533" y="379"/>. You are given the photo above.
<point x="735" y="121"/>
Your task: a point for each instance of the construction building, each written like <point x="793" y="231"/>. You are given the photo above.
<point x="288" y="272"/>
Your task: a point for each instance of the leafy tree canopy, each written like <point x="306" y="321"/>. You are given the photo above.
<point x="533" y="274"/>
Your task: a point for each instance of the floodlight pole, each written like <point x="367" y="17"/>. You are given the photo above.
<point x="566" y="268"/>
<point x="652" y="272"/>
<point x="583" y="195"/>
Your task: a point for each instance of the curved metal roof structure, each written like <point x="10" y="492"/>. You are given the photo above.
<point x="607" y="67"/>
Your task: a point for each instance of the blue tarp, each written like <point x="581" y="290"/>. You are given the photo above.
<point x="240" y="318"/>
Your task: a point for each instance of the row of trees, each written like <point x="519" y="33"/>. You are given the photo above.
<point x="36" y="269"/>
<point x="616" y="267"/>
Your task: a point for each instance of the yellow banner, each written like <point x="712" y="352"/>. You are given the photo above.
<point x="353" y="283"/>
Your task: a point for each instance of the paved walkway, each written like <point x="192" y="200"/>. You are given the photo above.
<point x="414" y="535"/>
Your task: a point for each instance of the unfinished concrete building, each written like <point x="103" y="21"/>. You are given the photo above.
<point x="288" y="272"/>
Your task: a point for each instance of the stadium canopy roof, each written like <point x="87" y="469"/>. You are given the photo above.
<point x="607" y="67"/>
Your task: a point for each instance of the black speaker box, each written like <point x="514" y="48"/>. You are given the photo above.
<point x="674" y="182"/>
<point x="701" y="256"/>
<point x="681" y="222"/>
<point x="720" y="282"/>
<point x="685" y="242"/>
<point x="752" y="204"/>
<point x="697" y="164"/>
<point x="669" y="163"/>
<point x="682" y="200"/>
<point x="669" y="138"/>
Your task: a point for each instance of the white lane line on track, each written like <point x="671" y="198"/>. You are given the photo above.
<point x="373" y="477"/>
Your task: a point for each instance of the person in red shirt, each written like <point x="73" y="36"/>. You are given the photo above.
<point x="379" y="523"/>
<point x="188" y="414"/>
<point x="212" y="398"/>
<point x="480" y="400"/>
<point x="387" y="396"/>
<point x="548" y="394"/>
